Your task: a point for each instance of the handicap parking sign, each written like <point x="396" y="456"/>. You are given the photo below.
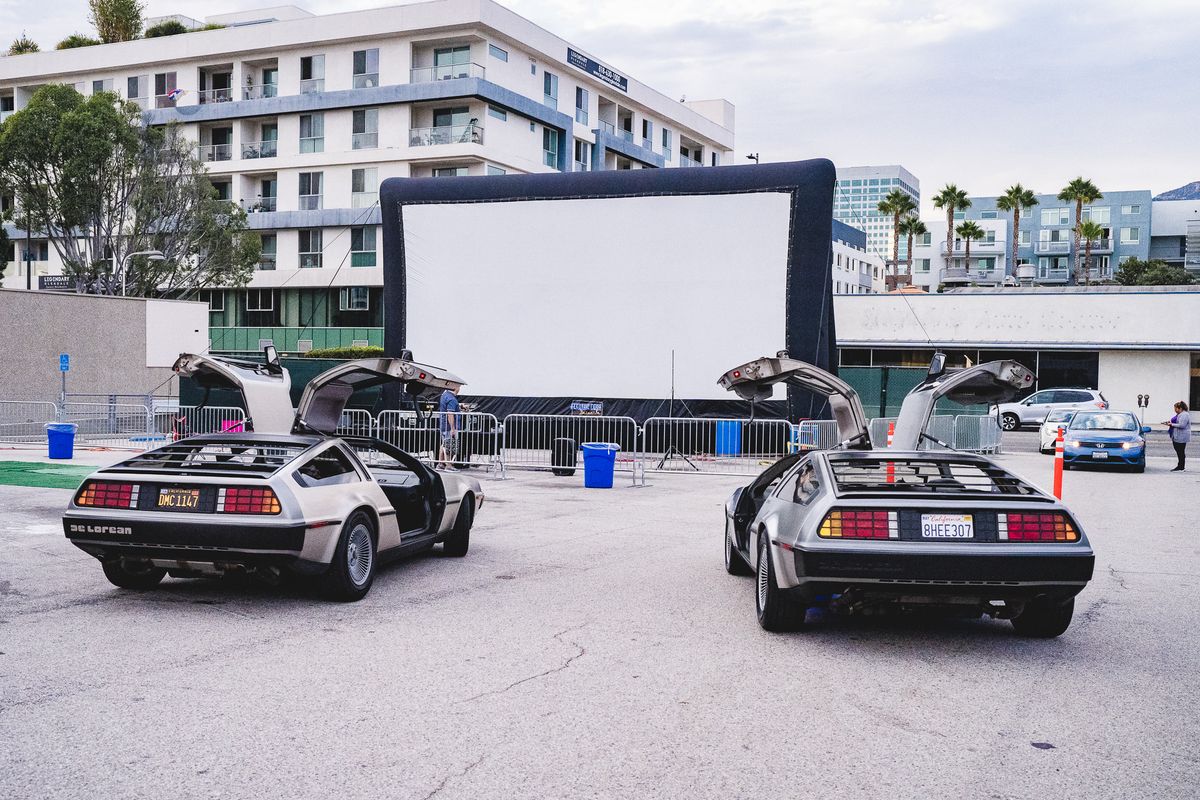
<point x="64" y="363"/>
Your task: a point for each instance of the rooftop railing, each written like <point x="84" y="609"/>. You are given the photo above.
<point x="445" y="72"/>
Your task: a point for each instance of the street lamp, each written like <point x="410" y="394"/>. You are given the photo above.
<point x="753" y="157"/>
<point x="152" y="255"/>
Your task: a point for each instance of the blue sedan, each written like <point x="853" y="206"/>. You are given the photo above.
<point x="1108" y="438"/>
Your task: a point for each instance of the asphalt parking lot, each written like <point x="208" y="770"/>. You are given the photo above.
<point x="591" y="645"/>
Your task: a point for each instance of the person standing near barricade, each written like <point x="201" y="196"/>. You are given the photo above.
<point x="448" y="425"/>
<point x="1181" y="432"/>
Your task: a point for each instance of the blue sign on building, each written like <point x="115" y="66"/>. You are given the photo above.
<point x="595" y="68"/>
<point x="64" y="363"/>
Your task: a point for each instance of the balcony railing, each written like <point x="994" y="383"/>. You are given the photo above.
<point x="367" y="140"/>
<point x="310" y="261"/>
<point x="216" y="152"/>
<point x="647" y="143"/>
<point x="581" y="116"/>
<point x="964" y="275"/>
<point x="310" y="202"/>
<point x="366" y="80"/>
<point x="312" y="144"/>
<point x="686" y="161"/>
<point x="363" y="199"/>
<point x="165" y="100"/>
<point x="215" y="96"/>
<point x="1098" y="246"/>
<point x="265" y="149"/>
<point x="141" y="102"/>
<point x="312" y="86"/>
<point x="1053" y="274"/>
<point x="445" y="134"/>
<point x="266" y="262"/>
<point x="1046" y="247"/>
<point x="258" y="91"/>
<point x="446" y="72"/>
<point x="978" y="247"/>
<point x="261" y="204"/>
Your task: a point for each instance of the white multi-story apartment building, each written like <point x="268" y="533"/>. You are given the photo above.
<point x="940" y="260"/>
<point x="300" y="117"/>
<point x="855" y="271"/>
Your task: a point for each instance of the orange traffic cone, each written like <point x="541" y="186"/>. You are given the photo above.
<point x="1058" y="464"/>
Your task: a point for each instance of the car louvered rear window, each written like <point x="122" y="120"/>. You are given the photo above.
<point x="924" y="476"/>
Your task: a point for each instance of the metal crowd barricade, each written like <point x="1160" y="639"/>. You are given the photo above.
<point x="815" y="434"/>
<point x="977" y="433"/>
<point x="713" y="446"/>
<point x="184" y="421"/>
<point x="116" y="425"/>
<point x="529" y="440"/>
<point x="24" y="422"/>
<point x="477" y="440"/>
<point x="356" y="422"/>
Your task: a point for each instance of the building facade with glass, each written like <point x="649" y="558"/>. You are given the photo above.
<point x="856" y="202"/>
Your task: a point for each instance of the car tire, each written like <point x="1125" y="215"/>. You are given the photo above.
<point x="459" y="539"/>
<point x="1042" y="619"/>
<point x="137" y="578"/>
<point x="1010" y="422"/>
<point x="352" y="570"/>
<point x="734" y="563"/>
<point x="777" y="612"/>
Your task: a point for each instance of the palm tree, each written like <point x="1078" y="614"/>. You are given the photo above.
<point x="911" y="226"/>
<point x="898" y="204"/>
<point x="969" y="231"/>
<point x="952" y="199"/>
<point x="1079" y="191"/>
<point x="1089" y="232"/>
<point x="1015" y="198"/>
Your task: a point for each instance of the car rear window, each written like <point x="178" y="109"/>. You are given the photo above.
<point x="923" y="476"/>
<point x="243" y="456"/>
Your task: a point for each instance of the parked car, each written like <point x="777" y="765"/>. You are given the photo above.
<point x="861" y="528"/>
<point x="288" y="496"/>
<point x="1034" y="408"/>
<point x="1048" y="433"/>
<point x="1105" y="438"/>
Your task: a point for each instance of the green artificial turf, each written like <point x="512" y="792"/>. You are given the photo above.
<point x="45" y="476"/>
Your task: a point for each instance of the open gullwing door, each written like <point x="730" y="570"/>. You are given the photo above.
<point x="326" y="395"/>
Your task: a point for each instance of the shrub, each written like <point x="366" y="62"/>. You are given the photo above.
<point x="345" y="352"/>
<point x="76" y="40"/>
<point x="170" y="27"/>
<point x="23" y="44"/>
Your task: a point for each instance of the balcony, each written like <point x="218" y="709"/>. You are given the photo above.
<point x="685" y="161"/>
<point x="1043" y="248"/>
<point x="1053" y="275"/>
<point x="581" y="116"/>
<point x="977" y="276"/>
<point x="978" y="248"/>
<point x="267" y="149"/>
<point x="446" y="134"/>
<point x="365" y="80"/>
<point x="215" y="96"/>
<point x="141" y="102"/>
<point x="166" y="100"/>
<point x="266" y="262"/>
<point x="367" y="140"/>
<point x="1098" y="246"/>
<point x="363" y="199"/>
<point x="613" y="130"/>
<point x="261" y="204"/>
<point x="446" y="72"/>
<point x="312" y="86"/>
<point x="215" y="152"/>
<point x="259" y="91"/>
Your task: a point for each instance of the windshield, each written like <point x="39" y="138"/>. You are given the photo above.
<point x="1059" y="416"/>
<point x="1104" y="422"/>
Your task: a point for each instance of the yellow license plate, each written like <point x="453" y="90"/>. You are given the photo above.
<point x="178" y="498"/>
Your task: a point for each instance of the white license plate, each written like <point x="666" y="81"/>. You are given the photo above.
<point x="1099" y="455"/>
<point x="947" y="526"/>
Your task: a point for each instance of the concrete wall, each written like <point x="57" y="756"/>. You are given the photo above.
<point x="1163" y="375"/>
<point x="117" y="345"/>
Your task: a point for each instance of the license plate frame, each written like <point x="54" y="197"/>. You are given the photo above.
<point x="179" y="495"/>
<point x="1100" y="455"/>
<point x="948" y="527"/>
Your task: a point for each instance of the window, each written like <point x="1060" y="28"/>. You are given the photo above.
<point x="451" y="118"/>
<point x="666" y="144"/>
<point x="310" y="191"/>
<point x="362" y="248"/>
<point x="366" y="68"/>
<point x="922" y="265"/>
<point x="581" y="105"/>
<point x="532" y="67"/>
<point x="550" y="147"/>
<point x="260" y="300"/>
<point x="1056" y="216"/>
<point x="310" y="248"/>
<point x="960" y="215"/>
<point x="312" y="133"/>
<point x="270" y="247"/>
<point x="451" y="62"/>
<point x="312" y="74"/>
<point x="364" y="125"/>
<point x="494" y="170"/>
<point x="498" y="113"/>
<point x="37" y="251"/>
<point x="214" y="297"/>
<point x="364" y="187"/>
<point x="354" y="298"/>
<point x="987" y="215"/>
<point x="137" y="87"/>
<point x="164" y="90"/>
<point x="224" y="190"/>
<point x="925" y="239"/>
<point x="583" y="152"/>
<point x="1131" y="235"/>
<point x="497" y="52"/>
<point x="1023" y="238"/>
<point x="1131" y="210"/>
<point x="328" y="468"/>
<point x="450" y="172"/>
<point x="647" y="134"/>
<point x="1101" y="216"/>
<point x="550" y="89"/>
<point x="987" y="263"/>
<point x="105" y="85"/>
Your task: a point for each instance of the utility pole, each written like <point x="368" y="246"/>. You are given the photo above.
<point x="28" y="255"/>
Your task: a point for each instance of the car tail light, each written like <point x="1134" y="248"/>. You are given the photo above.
<point x="247" y="500"/>
<point x="863" y="524"/>
<point x="108" y="494"/>
<point x="1102" y="405"/>
<point x="1050" y="527"/>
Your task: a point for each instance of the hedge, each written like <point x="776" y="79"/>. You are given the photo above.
<point x="345" y="352"/>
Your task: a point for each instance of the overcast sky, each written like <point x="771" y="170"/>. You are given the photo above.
<point x="979" y="94"/>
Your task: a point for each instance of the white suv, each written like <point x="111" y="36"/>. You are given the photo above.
<point x="1033" y="409"/>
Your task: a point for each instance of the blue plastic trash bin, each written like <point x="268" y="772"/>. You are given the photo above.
<point x="60" y="439"/>
<point x="729" y="437"/>
<point x="599" y="461"/>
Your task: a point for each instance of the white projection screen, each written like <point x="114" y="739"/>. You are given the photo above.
<point x="583" y="285"/>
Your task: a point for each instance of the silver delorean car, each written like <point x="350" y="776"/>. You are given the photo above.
<point x="861" y="529"/>
<point x="286" y="495"/>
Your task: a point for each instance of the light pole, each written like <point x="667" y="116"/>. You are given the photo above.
<point x="753" y="157"/>
<point x="152" y="255"/>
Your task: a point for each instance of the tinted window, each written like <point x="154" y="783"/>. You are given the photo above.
<point x="1104" y="421"/>
<point x="328" y="468"/>
<point x="802" y="486"/>
<point x="1074" y="397"/>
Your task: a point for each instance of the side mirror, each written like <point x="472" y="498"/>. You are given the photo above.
<point x="1146" y="429"/>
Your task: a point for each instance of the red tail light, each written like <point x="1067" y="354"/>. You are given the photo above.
<point x="108" y="494"/>
<point x="247" y="500"/>
<point x="1052" y="527"/>
<point x="849" y="524"/>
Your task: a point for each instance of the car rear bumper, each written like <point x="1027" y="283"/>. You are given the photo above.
<point x="185" y="541"/>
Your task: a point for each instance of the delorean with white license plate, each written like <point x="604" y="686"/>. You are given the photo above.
<point x="287" y="495"/>
<point x="865" y="528"/>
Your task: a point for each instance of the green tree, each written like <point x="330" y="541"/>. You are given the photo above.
<point x="1135" y="272"/>
<point x="952" y="200"/>
<point x="22" y="45"/>
<point x="1014" y="199"/>
<point x="898" y="204"/>
<point x="99" y="186"/>
<point x="76" y="40"/>
<point x="116" y="20"/>
<point x="912" y="227"/>
<point x="1090" y="233"/>
<point x="170" y="27"/>
<point x="1080" y="192"/>
<point x="969" y="231"/>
